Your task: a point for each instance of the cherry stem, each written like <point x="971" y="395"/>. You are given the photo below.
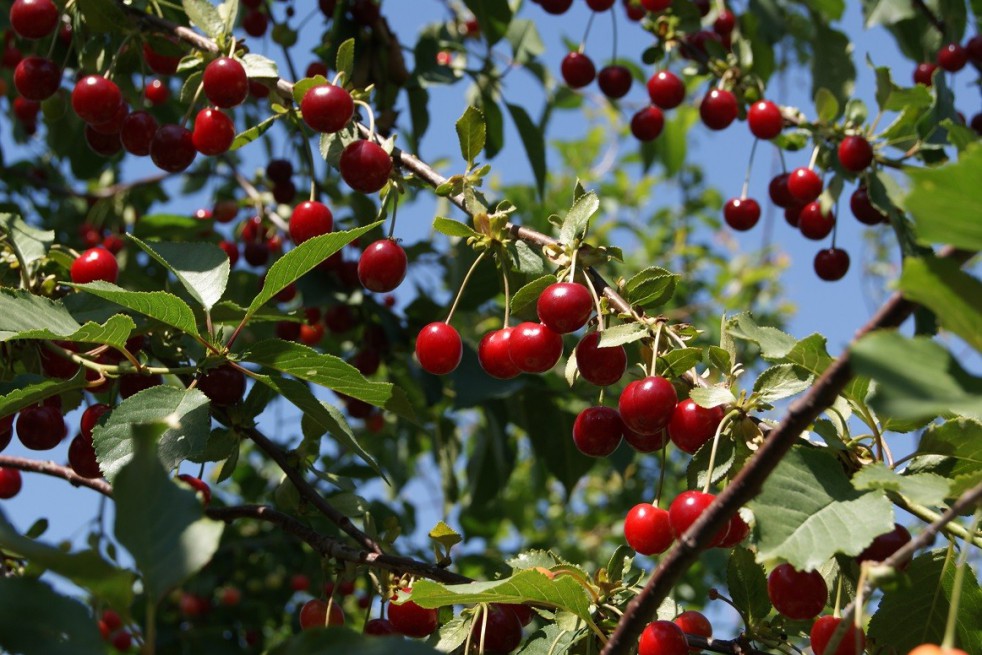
<point x="750" y="164"/>
<point x="596" y="301"/>
<point x="814" y="158"/>
<point x="463" y="285"/>
<point x="712" y="453"/>
<point x="395" y="207"/>
<point x="654" y="348"/>
<point x="371" y="117"/>
<point x="308" y="157"/>
<point x="956" y="592"/>
<point x="504" y="280"/>
<point x="784" y="165"/>
<point x="572" y="265"/>
<point x="586" y="32"/>
<point x="484" y="625"/>
<point x="613" y="20"/>
<point x="194" y="101"/>
<point x="835" y="232"/>
<point x="661" y="472"/>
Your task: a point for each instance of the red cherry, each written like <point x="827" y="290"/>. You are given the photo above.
<point x="687" y="507"/>
<point x="412" y="620"/>
<point x="662" y="638"/>
<point x="666" y="90"/>
<point x="600" y="366"/>
<point x="198" y="485"/>
<point x="157" y="92"/>
<point x="863" y="209"/>
<point x="382" y="266"/>
<point x="172" y="148"/>
<point x="94" y="264"/>
<point x="438" y="348"/>
<point x="736" y="531"/>
<point x="578" y="70"/>
<point x="855" y="153"/>
<point x="534" y="348"/>
<point x="976" y="123"/>
<point x="284" y="192"/>
<point x="974" y="47"/>
<point x="556" y="7"/>
<point x="692" y="426"/>
<point x="647" y="124"/>
<point x="564" y="307"/>
<point x="634" y="11"/>
<point x="798" y="595"/>
<point x="924" y="72"/>
<point x="853" y="641"/>
<point x="694" y="623"/>
<point x="158" y="63"/>
<point x="299" y="582"/>
<point x="365" y="166"/>
<point x="194" y="606"/>
<point x="225" y="82"/>
<point x="523" y="612"/>
<point x="327" y="108"/>
<point x="614" y="81"/>
<point x="741" y="213"/>
<point x="493" y="354"/>
<point x="316" y="68"/>
<point x="279" y="170"/>
<point x="724" y="23"/>
<point x="257" y="89"/>
<point x="831" y="264"/>
<point x="310" y="219"/>
<point x="90" y="418"/>
<point x="647" y="529"/>
<point x="137" y="131"/>
<point x="213" y="132"/>
<point x="645" y="443"/>
<point x="952" y="57"/>
<point x="10" y="483"/>
<point x="256" y="254"/>
<point x="718" y="109"/>
<point x="597" y="431"/>
<point x="600" y="5"/>
<point x="37" y="78"/>
<point x="6" y="430"/>
<point x="500" y="628"/>
<point x="231" y="596"/>
<point x="646" y="405"/>
<point x="814" y="223"/>
<point x="33" y="19"/>
<point x="223" y="385"/>
<point x="254" y="23"/>
<point x="133" y="383"/>
<point x="96" y="99"/>
<point x="804" y="184"/>
<point x="100" y="143"/>
<point x="41" y="427"/>
<point x="885" y="545"/>
<point x="81" y="457"/>
<point x="231" y="250"/>
<point x="656" y="5"/>
<point x="313" y="614"/>
<point x="379" y="628"/>
<point x="765" y="120"/>
<point x="339" y="319"/>
<point x="365" y="12"/>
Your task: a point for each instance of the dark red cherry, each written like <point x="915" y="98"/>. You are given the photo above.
<point x="412" y="620"/>
<point x="534" y="347"/>
<point x="694" y="623"/>
<point x="158" y="63"/>
<point x="718" y="109"/>
<point x="10" y="483"/>
<point x="172" y="148"/>
<point x="831" y="264"/>
<point x="223" y="385"/>
<point x="600" y="5"/>
<point x="494" y="356"/>
<point x="687" y="507"/>
<point x="310" y="219"/>
<point x="741" y="213"/>
<point x="778" y="191"/>
<point x="327" y="108"/>
<point x="597" y="431"/>
<point x="814" y="223"/>
<point x="101" y="143"/>
<point x="821" y="636"/>
<point x="439" y="348"/>
<point x="33" y="19"/>
<point x="213" y="132"/>
<point x="133" y="383"/>
<point x="95" y="264"/>
<point x="365" y="166"/>
<point x="578" y="70"/>
<point x="635" y="12"/>
<point x="924" y="72"/>
<point x="647" y="529"/>
<point x="37" y="78"/>
<point x="556" y="7"/>
<point x="736" y="532"/>
<point x="798" y="595"/>
<point x="855" y="153"/>
<point x="692" y="426"/>
<point x="41" y="427"/>
<point x="382" y="266"/>
<point x="724" y="23"/>
<point x="82" y="459"/>
<point x="804" y="184"/>
<point x="96" y="99"/>
<point x="255" y="23"/>
<point x="646" y="405"/>
<point x="952" y="57"/>
<point x="886" y="545"/>
<point x="279" y="170"/>
<point x="614" y="81"/>
<point x="225" y="82"/>
<point x="647" y="124"/>
<point x="791" y="213"/>
<point x="91" y="417"/>
<point x="564" y="306"/>
<point x="500" y="628"/>
<point x="314" y="614"/>
<point x="662" y="638"/>
<point x="666" y="90"/>
<point x="765" y="120"/>
<point x="656" y="5"/>
<point x="379" y="628"/>
<point x="6" y="430"/>
<point x="646" y="443"/>
<point x="600" y="366"/>
<point x="137" y="131"/>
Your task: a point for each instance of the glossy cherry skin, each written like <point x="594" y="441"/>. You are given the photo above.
<point x="694" y="623"/>
<point x="863" y="209"/>
<point x="886" y="545"/>
<point x="798" y="595"/>
<point x="96" y="99"/>
<point x="412" y="620"/>
<point x="95" y="264"/>
<point x="327" y="108"/>
<point x="158" y="63"/>
<point x="952" y="57"/>
<point x="310" y="219"/>
<point x="724" y="23"/>
<point x="365" y="166"/>
<point x="172" y="148"/>
<point x="736" y="532"/>
<point x="313" y="615"/>
<point x="37" y="78"/>
<point x="814" y="223"/>
<point x="855" y="153"/>
<point x="225" y="82"/>
<point x="81" y="457"/>
<point x="686" y="508"/>
<point x="578" y="70"/>
<point x="379" y="628"/>
<point x="804" y="184"/>
<point x="614" y="81"/>
<point x="33" y="19"/>
<point x="662" y="638"/>
<point x="534" y="348"/>
<point x="647" y="124"/>
<point x="646" y="405"/>
<point x="564" y="307"/>
<point x="692" y="426"/>
<point x="778" y="191"/>
<point x="645" y="443"/>
<point x="502" y="631"/>
<point x="924" y="72"/>
<point x="853" y="642"/>
<point x="10" y="483"/>
<point x="213" y="132"/>
<point x="382" y="266"/>
<point x="223" y="385"/>
<point x="600" y="366"/>
<point x="741" y="213"/>
<point x="765" y="120"/>
<point x="439" y="348"/>
<point x="494" y="356"/>
<point x="137" y="131"/>
<point x="666" y="90"/>
<point x="556" y="7"/>
<point x="41" y="427"/>
<point x="157" y="92"/>
<point x="718" y="109"/>
<point x="831" y="264"/>
<point x="90" y="418"/>
<point x="597" y="431"/>
<point x="647" y="529"/>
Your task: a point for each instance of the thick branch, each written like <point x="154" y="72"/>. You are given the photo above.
<point x="57" y="471"/>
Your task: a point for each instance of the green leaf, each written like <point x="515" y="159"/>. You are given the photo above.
<point x="781" y="381"/>
<point x="205" y="15"/>
<point x="618" y="335"/>
<point x="916" y="378"/>
<point x="650" y="287"/>
<point x="552" y="639"/>
<point x="577" y="219"/>
<point x="826" y="105"/>
<point x="161" y="524"/>
<point x="328" y="371"/>
<point x="493" y="16"/>
<point x="526" y="44"/>
<point x="549" y="428"/>
<point x="30" y="243"/>
<point x="747" y="584"/>
<point x="922" y="488"/>
<point x="773" y="343"/>
<point x="71" y="630"/>
<point x="346" y="640"/>
<point x="229" y="11"/>
<point x="29" y="390"/>
<point x="102" y="15"/>
<point x="22" y="312"/>
<point x="832" y="65"/>
<point x="676" y="362"/>
<point x="472" y="133"/>
<point x="444" y="535"/>
<point x="259" y="67"/>
<point x="159" y="305"/>
<point x="952" y="294"/>
<point x="710" y="397"/>
<point x="959" y="443"/>
<point x="454" y="633"/>
<point x="113" y="332"/>
<point x="303" y="259"/>
<point x="944" y="203"/>
<point x="453" y="228"/>
<point x="698" y="469"/>
<point x="253" y="133"/>
<point x="534" y="140"/>
<point x="916" y="613"/>
<point x="201" y="267"/>
<point x="184" y="411"/>
<point x="523" y="301"/>
<point x="345" y="61"/>
<point x="808" y="511"/>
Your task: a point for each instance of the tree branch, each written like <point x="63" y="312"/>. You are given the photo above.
<point x="57" y="471"/>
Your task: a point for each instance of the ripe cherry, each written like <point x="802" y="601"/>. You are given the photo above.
<point x="741" y="213"/>
<point x="863" y="209"/>
<point x="656" y="5"/>
<point x="666" y="90"/>
<point x="885" y="545"/>
<point x="718" y="109"/>
<point x="952" y="57"/>
<point x="310" y="219"/>
<point x="813" y="222"/>
<point x="647" y="529"/>
<point x="556" y="7"/>
<point x="597" y="431"/>
<point x="853" y="641"/>
<point x="225" y="82"/>
<point x="255" y="23"/>
<point x="798" y="595"/>
<point x="91" y="417"/>
<point x="172" y="148"/>
<point x="724" y="23"/>
<point x="6" y="430"/>
<point x="600" y="5"/>
<point x="199" y="486"/>
<point x="778" y="191"/>
<point x="379" y="628"/>
<point x="578" y="70"/>
<point x="10" y="483"/>
<point x="82" y="459"/>
<point x="924" y="72"/>
<point x="647" y="124"/>
<point x="645" y="443"/>
<point x="382" y="266"/>
<point x="686" y="508"/>
<point x="736" y="532"/>
<point x="327" y="108"/>
<point x="692" y="426"/>
<point x="534" y="347"/>
<point x="694" y="623"/>
<point x="33" y="19"/>
<point x="223" y="385"/>
<point x="600" y="366"/>
<point x="635" y="12"/>
<point x="158" y="63"/>
<point x="662" y="638"/>
<point x="41" y="427"/>
<point x="194" y="606"/>
<point x="831" y="264"/>
<point x="313" y="614"/>
<point x="365" y="166"/>
<point x="412" y="620"/>
<point x="564" y="307"/>
<point x="804" y="184"/>
<point x="614" y="81"/>
<point x="95" y="264"/>
<point x="855" y="153"/>
<point x="646" y="405"/>
<point x="37" y="78"/>
<point x="765" y="120"/>
<point x="96" y="99"/>
<point x="157" y="92"/>
<point x="279" y="170"/>
<point x="500" y="629"/>
<point x="213" y="132"/>
<point x="137" y="131"/>
<point x="494" y="357"/>
<point x="438" y="348"/>
<point x="100" y="143"/>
